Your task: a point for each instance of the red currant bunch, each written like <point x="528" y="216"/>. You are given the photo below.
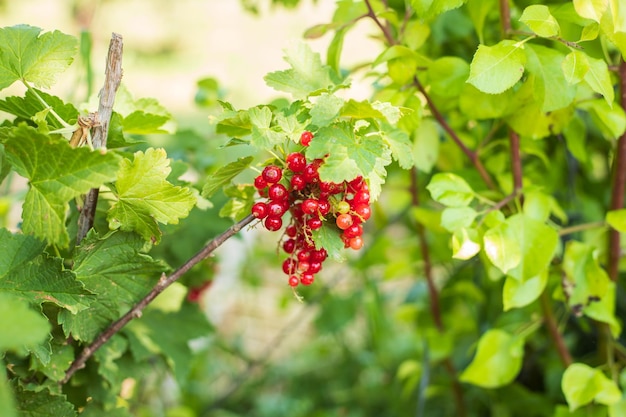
<point x="312" y="204"/>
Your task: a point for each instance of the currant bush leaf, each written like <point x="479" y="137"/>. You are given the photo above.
<point x="539" y="19"/>
<point x="401" y="147"/>
<point x="145" y="197"/>
<point x="224" y="175"/>
<point x="599" y="79"/>
<point x="583" y="384"/>
<point x="450" y="190"/>
<point x="575" y="66"/>
<point x="25" y="107"/>
<point x="43" y="404"/>
<point x="325" y="109"/>
<point x="328" y="237"/>
<point x="57" y="173"/>
<point x="117" y="285"/>
<point x="30" y="57"/>
<point x="25" y="329"/>
<point x="497" y="68"/>
<point x="264" y="136"/>
<point x="551" y="87"/>
<point x="307" y="74"/>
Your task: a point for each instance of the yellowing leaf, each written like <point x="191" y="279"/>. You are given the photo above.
<point x="145" y="197"/>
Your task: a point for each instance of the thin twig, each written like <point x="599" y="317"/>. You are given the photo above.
<point x="553" y="330"/>
<point x="581" y="227"/>
<point x="113" y="77"/>
<point x="161" y="285"/>
<point x="384" y="28"/>
<point x="505" y="17"/>
<point x="619" y="183"/>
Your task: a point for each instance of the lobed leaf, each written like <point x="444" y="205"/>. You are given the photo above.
<point x="27" y="56"/>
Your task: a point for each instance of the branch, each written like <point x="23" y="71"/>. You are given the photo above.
<point x="433" y="295"/>
<point x="113" y="77"/>
<point x="554" y="332"/>
<point x="385" y="29"/>
<point x="505" y="17"/>
<point x="619" y="182"/>
<point x="473" y="156"/>
<point x="163" y="283"/>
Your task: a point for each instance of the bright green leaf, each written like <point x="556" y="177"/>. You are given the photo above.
<point x="450" y="190"/>
<point x="465" y="243"/>
<point x="427" y="9"/>
<point x="328" y="237"/>
<point x="582" y="384"/>
<point x="26" y="327"/>
<point x="591" y="9"/>
<point x="145" y="197"/>
<point x="497" y="362"/>
<point x="57" y="173"/>
<point x="325" y="109"/>
<point x="551" y="87"/>
<point x="7" y="403"/>
<point x="611" y="120"/>
<point x="539" y="19"/>
<point x="240" y="203"/>
<point x="537" y="205"/>
<point x="516" y="293"/>
<point x="142" y="116"/>
<point x="401" y="147"/>
<point x="224" y="175"/>
<point x="478" y="105"/>
<point x="575" y="66"/>
<point x="29" y="57"/>
<point x="28" y="105"/>
<point x="617" y="220"/>
<point x="599" y="79"/>
<point x="603" y="310"/>
<point x="447" y="76"/>
<point x="497" y="68"/>
<point x="453" y="218"/>
<point x="307" y="74"/>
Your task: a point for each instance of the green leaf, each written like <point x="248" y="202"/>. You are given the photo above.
<point x="401" y="147"/>
<point x="224" y="175"/>
<point x="497" y="362"/>
<point x="453" y="218"/>
<point x="263" y="135"/>
<point x="575" y="66"/>
<point x="582" y="384"/>
<point x="25" y="329"/>
<point x="26" y="107"/>
<point x="497" y="68"/>
<point x="240" y="203"/>
<point x="465" y="243"/>
<point x="539" y="19"/>
<point x="599" y="79"/>
<point x="593" y="9"/>
<point x="603" y="310"/>
<point x="28" y="57"/>
<point x="333" y="53"/>
<point x="575" y="136"/>
<point x="7" y="403"/>
<point x="114" y="268"/>
<point x="426" y="147"/>
<point x="521" y="247"/>
<point x="447" y="76"/>
<point x="518" y="293"/>
<point x="143" y="116"/>
<point x="427" y="9"/>
<point x="145" y="197"/>
<point x="57" y="173"/>
<point x="43" y="404"/>
<point x="328" y="237"/>
<point x="611" y="120"/>
<point x="478" y="105"/>
<point x="306" y="76"/>
<point x="551" y="88"/>
<point x="450" y="190"/>
<point x="617" y="220"/>
<point x="325" y="109"/>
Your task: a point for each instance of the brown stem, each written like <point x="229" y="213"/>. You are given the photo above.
<point x="163" y="283"/>
<point x="473" y="156"/>
<point x="433" y="294"/>
<point x="113" y="77"/>
<point x="505" y="17"/>
<point x="554" y="332"/>
<point x="619" y="183"/>
<point x="384" y="28"/>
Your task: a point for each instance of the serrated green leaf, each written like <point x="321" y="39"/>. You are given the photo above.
<point x="329" y="238"/>
<point x="145" y="197"/>
<point x="401" y="148"/>
<point x="25" y="329"/>
<point x="307" y="74"/>
<point x="325" y="109"/>
<point x="27" y="106"/>
<point x="450" y="190"/>
<point x="447" y="76"/>
<point x="599" y="79"/>
<point x="43" y="404"/>
<point x="233" y="123"/>
<point x="33" y="58"/>
<point x="539" y="19"/>
<point x="582" y="384"/>
<point x="57" y="173"/>
<point x="240" y="203"/>
<point x="575" y="66"/>
<point x="263" y="135"/>
<point x="552" y="90"/>
<point x="142" y="116"/>
<point x="497" y="68"/>
<point x="360" y="110"/>
<point x="426" y="147"/>
<point x="497" y="362"/>
<point x="224" y="175"/>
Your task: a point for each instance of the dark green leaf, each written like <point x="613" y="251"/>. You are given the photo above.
<point x="43" y="404"/>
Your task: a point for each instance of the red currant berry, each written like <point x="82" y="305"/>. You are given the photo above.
<point x="273" y="223"/>
<point x="303" y="266"/>
<point x="356" y="242"/>
<point x="293" y="281"/>
<point x="314" y="223"/>
<point x="277" y="192"/>
<point x="272" y="174"/>
<point x="291" y="230"/>
<point x="289" y="245"/>
<point x="323" y="207"/>
<point x="259" y="183"/>
<point x="289" y="266"/>
<point x="309" y="206"/>
<point x="344" y="221"/>
<point x="356" y="184"/>
<point x="362" y="211"/>
<point x="314" y="267"/>
<point x="276" y="209"/>
<point x="361" y="197"/>
<point x="307" y="279"/>
<point x="310" y="172"/>
<point x="304" y="255"/>
<point x="260" y="210"/>
<point x="319" y="255"/>
<point x="353" y="231"/>
<point x="296" y="162"/>
<point x="305" y="138"/>
<point x="298" y="182"/>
